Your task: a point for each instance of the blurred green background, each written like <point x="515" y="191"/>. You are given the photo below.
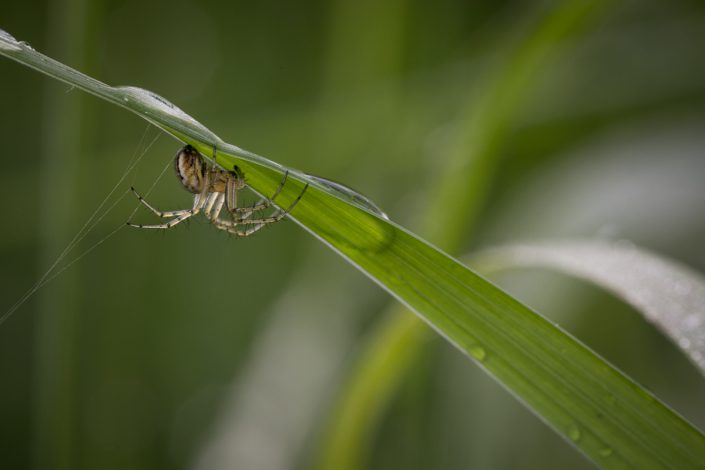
<point x="190" y="349"/>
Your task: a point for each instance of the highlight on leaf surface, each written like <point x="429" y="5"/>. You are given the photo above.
<point x="669" y="295"/>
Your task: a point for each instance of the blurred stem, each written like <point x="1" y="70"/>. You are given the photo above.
<point x="356" y="58"/>
<point x="382" y="364"/>
<point x="455" y="203"/>
<point x="364" y="48"/>
<point x="55" y="423"/>
<point x="474" y="156"/>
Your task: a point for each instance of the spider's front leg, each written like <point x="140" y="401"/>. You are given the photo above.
<point x="177" y="216"/>
<point x="164" y="214"/>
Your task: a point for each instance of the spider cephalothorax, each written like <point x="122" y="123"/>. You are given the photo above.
<point x="192" y="171"/>
<point x="214" y="188"/>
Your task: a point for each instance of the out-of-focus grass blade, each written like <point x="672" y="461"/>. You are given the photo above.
<point x="669" y="295"/>
<point x="595" y="407"/>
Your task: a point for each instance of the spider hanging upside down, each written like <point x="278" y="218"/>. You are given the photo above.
<point x="213" y="189"/>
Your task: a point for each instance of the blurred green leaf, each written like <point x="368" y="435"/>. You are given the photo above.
<point x="669" y="295"/>
<point x="591" y="404"/>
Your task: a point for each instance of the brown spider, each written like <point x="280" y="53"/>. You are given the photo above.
<point x="213" y="189"/>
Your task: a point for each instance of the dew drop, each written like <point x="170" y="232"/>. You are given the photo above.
<point x="349" y="194"/>
<point x="605" y="452"/>
<point x="574" y="433"/>
<point x="478" y="352"/>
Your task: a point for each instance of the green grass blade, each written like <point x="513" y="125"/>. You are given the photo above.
<point x="452" y="210"/>
<point x="595" y="407"/>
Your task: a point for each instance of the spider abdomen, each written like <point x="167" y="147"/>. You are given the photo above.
<point x="190" y="169"/>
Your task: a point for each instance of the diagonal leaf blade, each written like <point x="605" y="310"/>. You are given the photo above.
<point x="595" y="407"/>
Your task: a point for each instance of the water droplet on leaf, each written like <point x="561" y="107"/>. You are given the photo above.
<point x="478" y="352"/>
<point x="605" y="452"/>
<point x="574" y="433"/>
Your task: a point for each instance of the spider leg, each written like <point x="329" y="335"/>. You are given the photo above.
<point x="281" y="213"/>
<point x="281" y="186"/>
<point x="214" y="206"/>
<point x="245" y="212"/>
<point x="232" y="187"/>
<point x="247" y="221"/>
<point x="276" y="217"/>
<point x="231" y="193"/>
<point x="222" y="225"/>
<point x="170" y="224"/>
<point x="178" y="216"/>
<point x="165" y="214"/>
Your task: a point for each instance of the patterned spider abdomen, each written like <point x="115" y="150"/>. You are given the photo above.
<point x="190" y="169"/>
<point x="193" y="172"/>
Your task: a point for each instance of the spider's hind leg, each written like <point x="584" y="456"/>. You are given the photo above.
<point x="233" y="230"/>
<point x="281" y="186"/>
<point x="296" y="201"/>
<point x="280" y="213"/>
<point x="257" y="222"/>
<point x="240" y="213"/>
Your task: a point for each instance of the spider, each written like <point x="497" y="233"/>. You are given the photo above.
<point x="213" y="189"/>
